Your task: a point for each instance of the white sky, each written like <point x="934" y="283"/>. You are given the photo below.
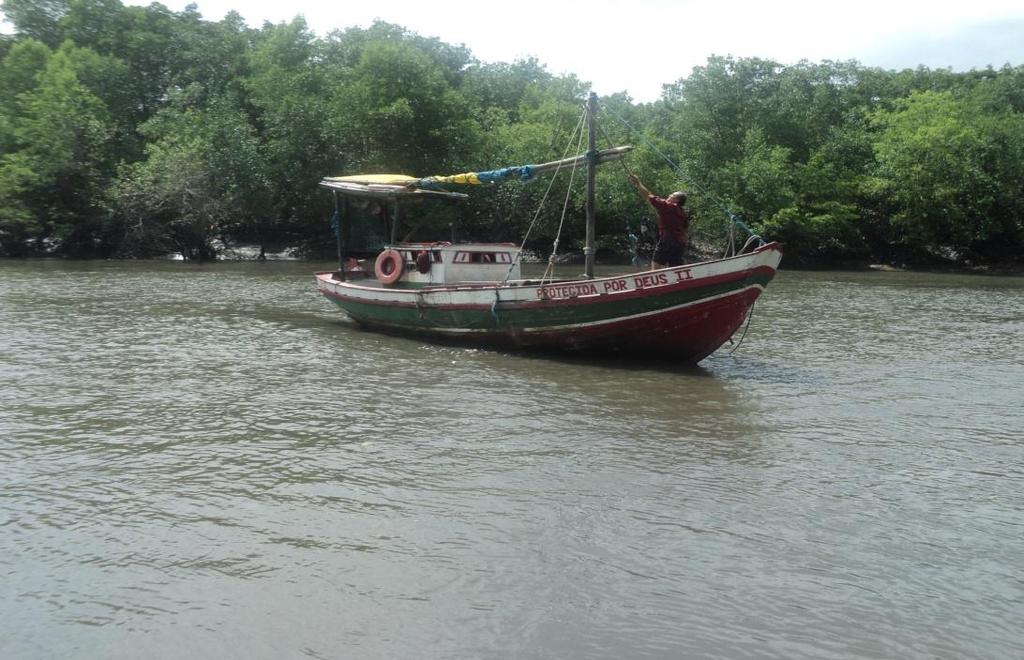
<point x="638" y="45"/>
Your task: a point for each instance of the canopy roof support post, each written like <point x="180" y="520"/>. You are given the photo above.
<point x="339" y="219"/>
<point x="394" y="223"/>
<point x="588" y="250"/>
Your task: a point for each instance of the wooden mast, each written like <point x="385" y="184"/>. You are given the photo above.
<point x="588" y="250"/>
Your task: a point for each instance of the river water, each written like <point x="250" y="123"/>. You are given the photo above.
<point x="210" y="462"/>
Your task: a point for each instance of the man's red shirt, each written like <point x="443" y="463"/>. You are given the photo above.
<point x="672" y="219"/>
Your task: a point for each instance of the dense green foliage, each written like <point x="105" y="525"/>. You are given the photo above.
<point x="134" y="131"/>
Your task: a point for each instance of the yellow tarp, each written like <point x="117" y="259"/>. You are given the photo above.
<point x="379" y="179"/>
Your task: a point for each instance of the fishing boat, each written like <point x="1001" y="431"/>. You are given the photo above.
<point x="476" y="292"/>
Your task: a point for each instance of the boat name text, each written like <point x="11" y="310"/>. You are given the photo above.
<point x="642" y="281"/>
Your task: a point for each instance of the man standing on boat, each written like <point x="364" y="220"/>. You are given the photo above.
<point x="673" y="222"/>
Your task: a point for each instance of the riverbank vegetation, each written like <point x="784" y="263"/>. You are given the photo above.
<point x="135" y="131"/>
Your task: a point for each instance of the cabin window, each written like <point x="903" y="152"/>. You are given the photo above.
<point x="410" y="256"/>
<point x="483" y="258"/>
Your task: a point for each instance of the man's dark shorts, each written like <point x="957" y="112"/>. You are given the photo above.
<point x="668" y="252"/>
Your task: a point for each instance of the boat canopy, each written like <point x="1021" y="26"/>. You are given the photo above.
<point x="371" y="179"/>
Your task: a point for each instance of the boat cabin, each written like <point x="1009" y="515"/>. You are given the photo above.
<point x="437" y="264"/>
<point x="407" y="264"/>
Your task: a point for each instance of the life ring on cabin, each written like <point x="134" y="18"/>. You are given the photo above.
<point x="389" y="266"/>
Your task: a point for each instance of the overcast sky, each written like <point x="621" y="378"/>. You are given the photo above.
<point x="638" y="45"/>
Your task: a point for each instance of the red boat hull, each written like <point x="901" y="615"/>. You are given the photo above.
<point x="681" y="314"/>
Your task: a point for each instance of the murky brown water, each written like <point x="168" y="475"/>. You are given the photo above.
<point x="207" y="461"/>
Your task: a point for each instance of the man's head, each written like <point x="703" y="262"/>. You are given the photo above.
<point x="678" y="197"/>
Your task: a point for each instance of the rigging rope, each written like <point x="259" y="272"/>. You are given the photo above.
<point x="734" y="219"/>
<point x="750" y="315"/>
<point x="565" y="207"/>
<point x="554" y="175"/>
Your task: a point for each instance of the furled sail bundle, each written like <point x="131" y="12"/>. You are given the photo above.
<point x="521" y="173"/>
<point x="394" y="185"/>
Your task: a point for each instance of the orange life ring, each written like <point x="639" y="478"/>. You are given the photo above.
<point x="389" y="266"/>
